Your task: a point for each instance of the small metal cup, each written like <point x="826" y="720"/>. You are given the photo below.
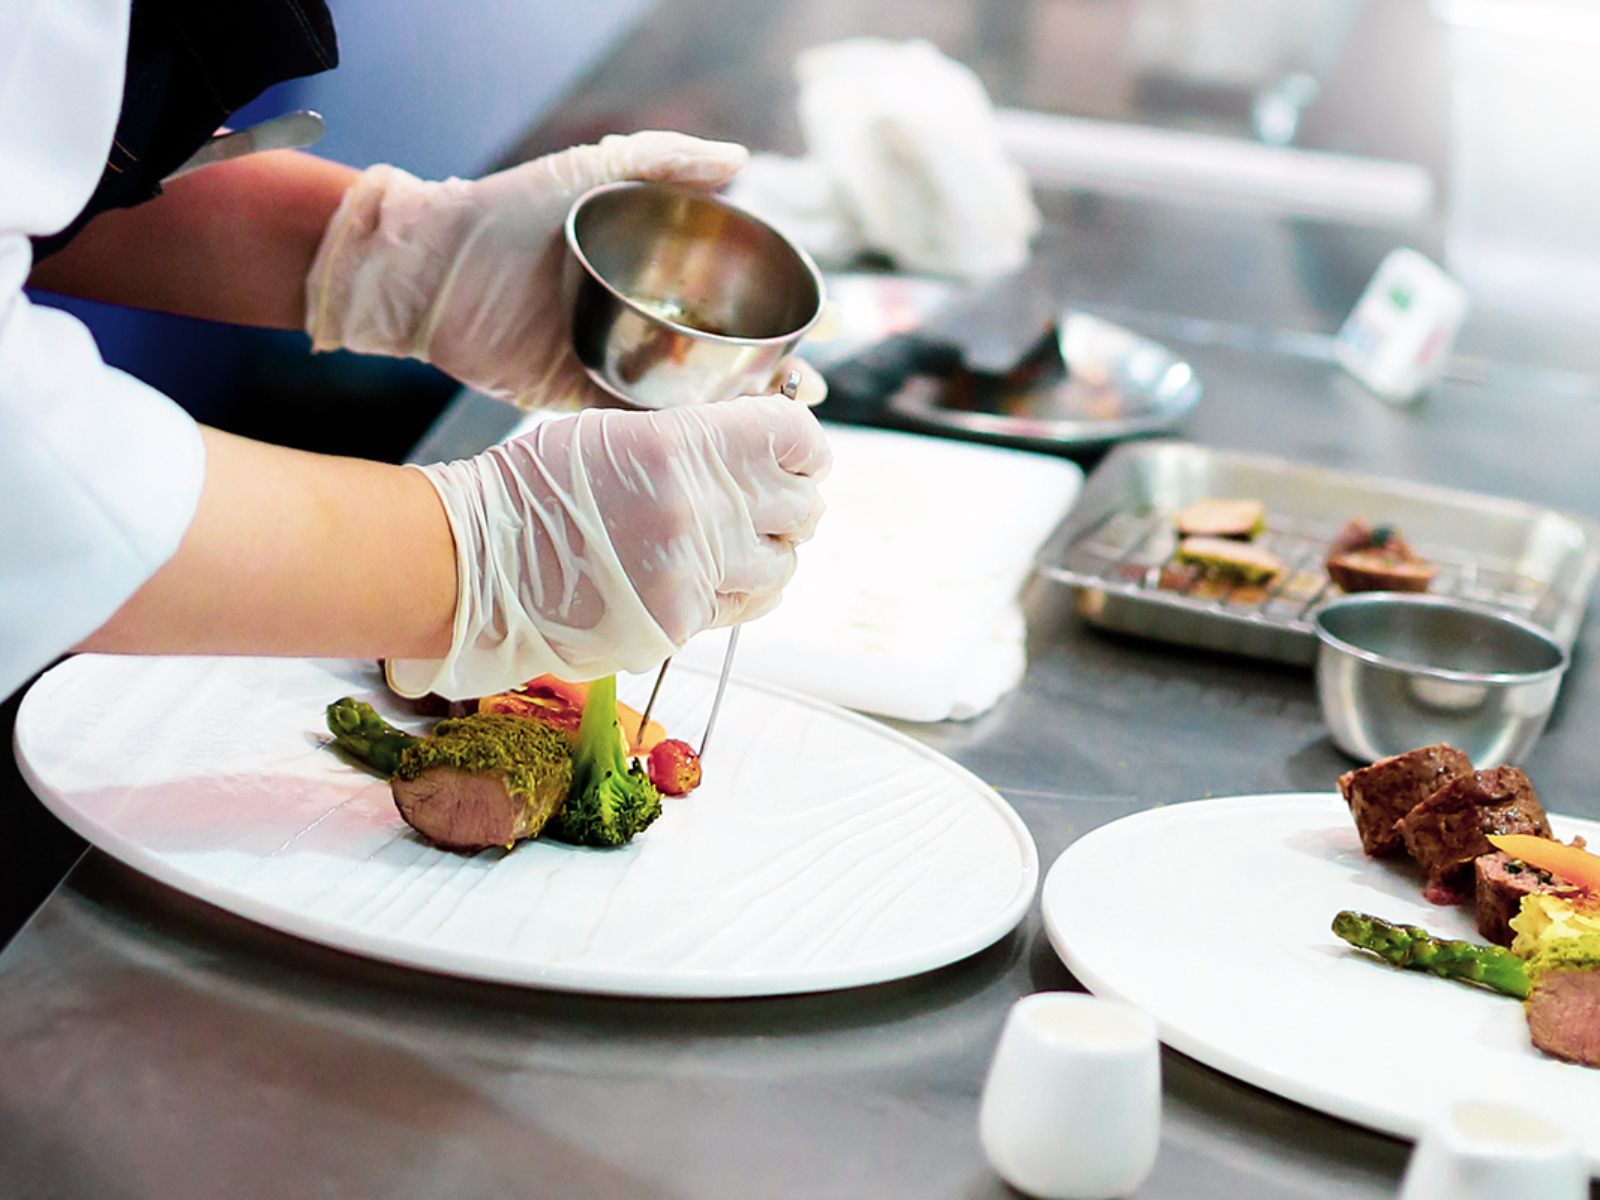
<point x="679" y="297"/>
<point x="1397" y="671"/>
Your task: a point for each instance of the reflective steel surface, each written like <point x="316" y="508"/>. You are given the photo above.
<point x="1395" y="672"/>
<point x="1114" y="549"/>
<point x="153" y="1047"/>
<point x="681" y="298"/>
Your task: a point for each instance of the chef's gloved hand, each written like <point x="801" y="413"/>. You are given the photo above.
<point x="466" y="274"/>
<point x="601" y="542"/>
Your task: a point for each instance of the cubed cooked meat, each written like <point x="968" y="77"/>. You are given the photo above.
<point x="1381" y="794"/>
<point x="1500" y="883"/>
<point x="1448" y="830"/>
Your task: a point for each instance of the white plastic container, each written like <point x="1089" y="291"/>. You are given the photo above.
<point x="1400" y="332"/>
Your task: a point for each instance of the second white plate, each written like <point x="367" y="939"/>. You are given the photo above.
<point x="1214" y="916"/>
<point x="823" y="850"/>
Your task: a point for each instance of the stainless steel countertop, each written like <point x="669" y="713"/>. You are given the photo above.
<point x="154" y="1046"/>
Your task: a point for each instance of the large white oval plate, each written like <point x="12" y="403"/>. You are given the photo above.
<point x="1214" y="916"/>
<point x="823" y="850"/>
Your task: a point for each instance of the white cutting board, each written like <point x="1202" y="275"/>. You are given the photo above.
<point x="906" y="603"/>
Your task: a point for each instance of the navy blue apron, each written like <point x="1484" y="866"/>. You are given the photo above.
<point x="191" y="65"/>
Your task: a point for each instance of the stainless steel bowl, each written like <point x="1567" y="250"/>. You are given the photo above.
<point x="679" y="297"/>
<point x="1395" y="672"/>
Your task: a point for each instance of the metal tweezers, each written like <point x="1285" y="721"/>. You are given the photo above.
<point x="790" y="388"/>
<point x="716" y="700"/>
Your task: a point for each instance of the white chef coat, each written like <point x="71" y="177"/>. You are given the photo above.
<point x="99" y="474"/>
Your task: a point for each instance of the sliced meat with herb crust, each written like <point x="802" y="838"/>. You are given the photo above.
<point x="1379" y="795"/>
<point x="487" y="779"/>
<point x="1224" y="558"/>
<point x="1447" y="830"/>
<point x="471" y="810"/>
<point x="1375" y="558"/>
<point x="1212" y="517"/>
<point x="1379" y="571"/>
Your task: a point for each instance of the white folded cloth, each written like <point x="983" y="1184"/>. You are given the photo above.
<point x="906" y="603"/>
<point x="904" y="157"/>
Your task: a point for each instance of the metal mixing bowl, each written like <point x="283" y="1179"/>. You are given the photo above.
<point x="679" y="297"/>
<point x="1396" y="672"/>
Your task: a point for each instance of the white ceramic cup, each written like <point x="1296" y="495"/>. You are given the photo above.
<point x="1071" y="1107"/>
<point x="1477" y="1150"/>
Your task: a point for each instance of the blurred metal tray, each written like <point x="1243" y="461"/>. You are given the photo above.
<point x="1534" y="562"/>
<point x="1085" y="384"/>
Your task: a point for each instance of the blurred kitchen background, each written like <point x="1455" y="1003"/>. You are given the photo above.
<point x="1491" y="105"/>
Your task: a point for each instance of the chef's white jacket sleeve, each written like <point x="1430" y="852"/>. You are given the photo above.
<point x="99" y="474"/>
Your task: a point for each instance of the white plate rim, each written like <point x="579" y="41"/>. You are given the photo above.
<point x="1368" y="1112"/>
<point x="684" y="984"/>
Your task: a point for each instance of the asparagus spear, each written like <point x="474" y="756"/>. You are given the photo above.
<point x="361" y="732"/>
<point x="1408" y="946"/>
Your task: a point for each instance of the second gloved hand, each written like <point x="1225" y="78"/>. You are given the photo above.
<point x="466" y="274"/>
<point x="602" y="542"/>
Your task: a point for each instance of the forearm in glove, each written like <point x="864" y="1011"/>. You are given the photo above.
<point x="466" y="274"/>
<point x="601" y="542"/>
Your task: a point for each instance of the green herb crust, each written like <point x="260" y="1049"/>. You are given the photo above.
<point x="533" y="758"/>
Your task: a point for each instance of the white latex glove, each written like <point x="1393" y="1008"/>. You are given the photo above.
<point x="602" y="542"/>
<point x="467" y="274"/>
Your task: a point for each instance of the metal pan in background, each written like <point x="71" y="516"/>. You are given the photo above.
<point x="1532" y="562"/>
<point x="1087" y="383"/>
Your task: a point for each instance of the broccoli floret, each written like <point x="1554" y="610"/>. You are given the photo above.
<point x="611" y="800"/>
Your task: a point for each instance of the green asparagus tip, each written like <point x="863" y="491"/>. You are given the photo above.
<point x="1415" y="949"/>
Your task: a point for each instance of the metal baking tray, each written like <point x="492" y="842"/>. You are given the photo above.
<point x="1534" y="562"/>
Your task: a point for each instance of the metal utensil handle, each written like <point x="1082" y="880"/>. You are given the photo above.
<point x="722" y="686"/>
<point x="650" y="704"/>
<point x="292" y="131"/>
